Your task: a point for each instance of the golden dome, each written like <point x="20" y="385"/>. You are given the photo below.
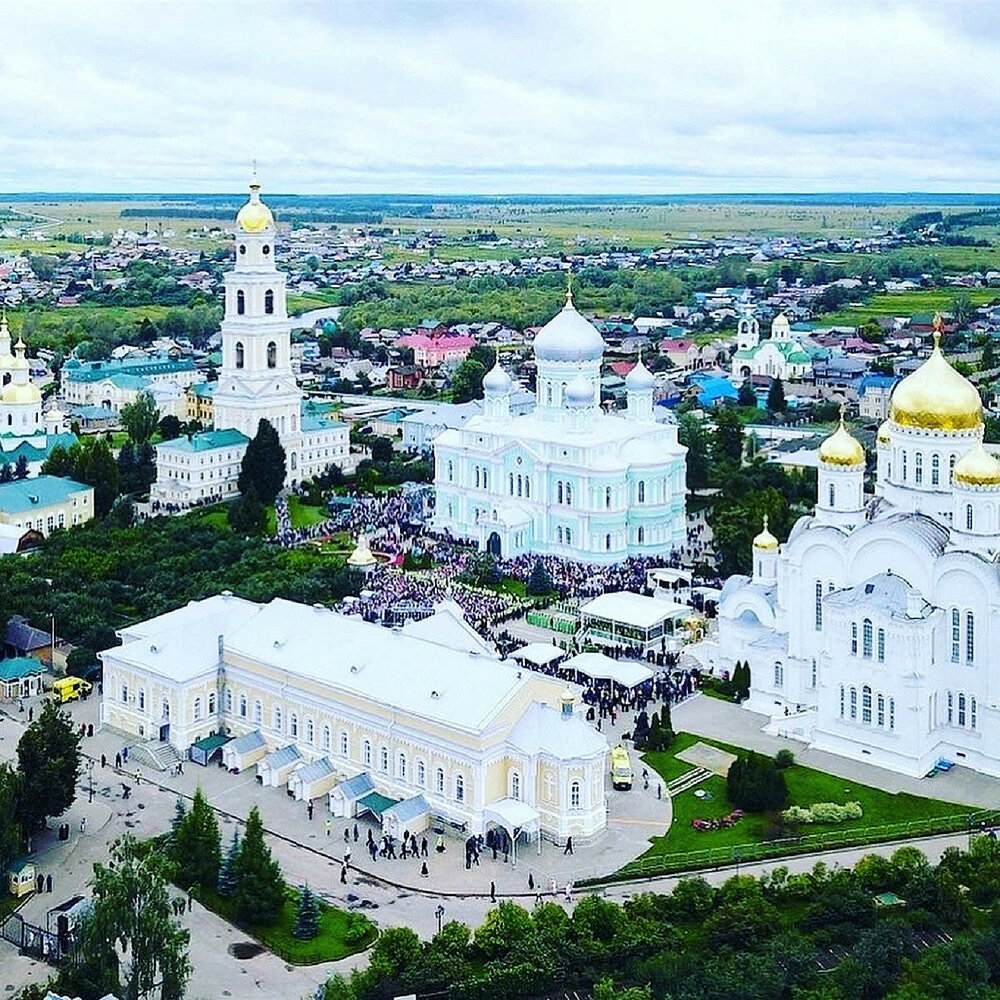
<point x="883" y="433"/>
<point x="841" y="447"/>
<point x="254" y="216"/>
<point x="935" y="396"/>
<point x="977" y="468"/>
<point x="20" y="393"/>
<point x="765" y="541"/>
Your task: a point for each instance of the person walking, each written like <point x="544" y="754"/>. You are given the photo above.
<point x="343" y="873"/>
<point x="48" y="883"/>
<point x="118" y="761"/>
<point x="493" y="892"/>
<point x="531" y="882"/>
<point x="423" y="847"/>
<point x="423" y="870"/>
<point x="83" y="824"/>
<point x="569" y="846"/>
<point x="309" y="809"/>
<point x="329" y="827"/>
<point x="104" y="760"/>
<point x="355" y="833"/>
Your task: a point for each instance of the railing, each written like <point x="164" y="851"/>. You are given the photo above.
<point x="716" y="857"/>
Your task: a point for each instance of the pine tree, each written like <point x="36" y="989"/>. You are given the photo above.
<point x="197" y="848"/>
<point x="540" y="582"/>
<point x="6" y="473"/>
<point x="180" y="811"/>
<point x="260" y="891"/>
<point x="776" y="397"/>
<point x="246" y="513"/>
<point x="307" y="916"/>
<point x="21" y="468"/>
<point x="746" y="396"/>
<point x="263" y="464"/>
<point x="227" y="871"/>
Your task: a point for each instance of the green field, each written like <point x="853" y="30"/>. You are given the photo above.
<point x="805" y="787"/>
<point x="929" y="300"/>
<point x="298" y="304"/>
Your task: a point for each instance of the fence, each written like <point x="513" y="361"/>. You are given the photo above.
<point x="716" y="857"/>
<point x="32" y="939"/>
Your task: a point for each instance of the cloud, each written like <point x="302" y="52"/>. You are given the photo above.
<point x="499" y="96"/>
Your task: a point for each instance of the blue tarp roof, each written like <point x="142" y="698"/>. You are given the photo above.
<point x="409" y="809"/>
<point x="359" y="785"/>
<point x="249" y="741"/>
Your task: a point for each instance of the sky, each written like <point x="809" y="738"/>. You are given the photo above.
<point x="499" y="96"/>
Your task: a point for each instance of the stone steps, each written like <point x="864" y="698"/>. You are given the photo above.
<point x="688" y="780"/>
<point x="158" y="756"/>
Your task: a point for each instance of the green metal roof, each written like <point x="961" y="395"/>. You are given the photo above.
<point x="18" y="667"/>
<point x="25" y="495"/>
<point x="207" y="440"/>
<point x="213" y="742"/>
<point x="376" y="804"/>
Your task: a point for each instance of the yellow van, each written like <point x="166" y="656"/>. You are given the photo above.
<point x="70" y="689"/>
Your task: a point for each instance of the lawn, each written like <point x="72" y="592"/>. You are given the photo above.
<point x="805" y="787"/>
<point x="928" y="300"/>
<point x="302" y="515"/>
<point x="298" y="304"/>
<point x="340" y="933"/>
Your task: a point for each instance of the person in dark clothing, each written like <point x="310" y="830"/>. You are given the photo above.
<point x="569" y="846"/>
<point x="493" y="892"/>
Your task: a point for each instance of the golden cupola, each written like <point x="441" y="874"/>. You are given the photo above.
<point x="935" y="397"/>
<point x="254" y="216"/>
<point x="977" y="467"/>
<point x="765" y="541"/>
<point x="841" y="447"/>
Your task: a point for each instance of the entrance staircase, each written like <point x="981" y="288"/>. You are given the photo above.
<point x="158" y="756"/>
<point x="688" y="780"/>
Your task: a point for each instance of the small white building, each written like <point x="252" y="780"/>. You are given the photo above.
<point x="780" y="356"/>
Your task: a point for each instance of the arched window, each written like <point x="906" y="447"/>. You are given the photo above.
<point x="779" y="674"/>
<point x="854" y="703"/>
<point x="486" y="481"/>
<point x="972" y="713"/>
<point x="956" y="634"/>
<point x="866" y="705"/>
<point x="892" y="713"/>
<point x="951" y="708"/>
<point x="968" y="517"/>
<point x="383" y="759"/>
<point x="401" y="767"/>
<point x="569" y="495"/>
<point x="520" y="486"/>
<point x="269" y="302"/>
<point x="294" y="724"/>
<point x="459" y="788"/>
<point x="548" y="394"/>
<point x="276" y="720"/>
<point x="607" y="543"/>
<point x="881" y="710"/>
<point x="211" y="704"/>
<point x="881" y="645"/>
<point x="258" y="713"/>
<point x="345" y="745"/>
<point x="515" y="785"/>
<point x="918" y="468"/>
<point x="477" y="477"/>
<point x="439" y="781"/>
<point x="421" y="773"/>
<point x="641" y="534"/>
<point x="326" y="737"/>
<point x="197" y="709"/>
<point x="366" y="753"/>
<point x="272" y="355"/>
<point x="642" y="491"/>
<point x="951" y="466"/>
<point x="527" y="487"/>
<point x="970" y="637"/>
<point x="904" y="466"/>
<point x="310" y="731"/>
<point x="935" y="470"/>
<point x="142" y="699"/>
<point x="841" y="700"/>
<point x="832" y="497"/>
<point x="607" y="496"/>
<point x="961" y="709"/>
<point x="229" y="699"/>
<point x="451" y="472"/>
<point x="243" y="706"/>
<point x="854" y="638"/>
<point x="574" y="795"/>
<point x="559" y="534"/>
<point x="239" y="354"/>
<point x="569" y="537"/>
<point x="510" y="483"/>
<point x="818" y="605"/>
<point x="866" y="639"/>
<point x="814" y="673"/>
<point x="241" y="303"/>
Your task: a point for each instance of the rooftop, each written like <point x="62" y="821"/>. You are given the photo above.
<point x="25" y="495"/>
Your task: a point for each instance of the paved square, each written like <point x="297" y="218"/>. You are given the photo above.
<point x="711" y="758"/>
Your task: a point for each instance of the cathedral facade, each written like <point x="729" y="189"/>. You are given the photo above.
<point x="567" y="479"/>
<point x="873" y="631"/>
<point x="255" y="383"/>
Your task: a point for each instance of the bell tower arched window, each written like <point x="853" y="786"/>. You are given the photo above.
<point x="269" y="302"/>
<point x="272" y="353"/>
<point x="239" y="352"/>
<point x="241" y="303"/>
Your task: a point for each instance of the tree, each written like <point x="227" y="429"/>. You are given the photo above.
<point x="484" y="354"/>
<point x="227" y="870"/>
<point x="7" y="473"/>
<point x="180" y="811"/>
<point x="11" y="837"/>
<point x="260" y="891"/>
<point x="306" y="916"/>
<point x="21" y="467"/>
<point x="130" y="937"/>
<point x="988" y="359"/>
<point x="746" y="396"/>
<point x="755" y="784"/>
<point x="381" y="449"/>
<point x="776" y="397"/>
<point x="140" y="418"/>
<point x="246" y="514"/>
<point x="691" y="434"/>
<point x="263" y="464"/>
<point x="506" y="928"/>
<point x="79" y="660"/>
<point x="728" y="444"/>
<point x="468" y="381"/>
<point x="48" y="759"/>
<point x="170" y="427"/>
<point x="540" y="582"/>
<point x="961" y="308"/>
<point x="98" y="469"/>
<point x="59" y="463"/>
<point x="197" y="849"/>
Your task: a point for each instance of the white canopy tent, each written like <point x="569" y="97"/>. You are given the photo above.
<point x="539" y="654"/>
<point x="627" y="673"/>
<point x="516" y="817"/>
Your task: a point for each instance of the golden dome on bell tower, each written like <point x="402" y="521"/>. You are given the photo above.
<point x="935" y="396"/>
<point x="254" y="216"/>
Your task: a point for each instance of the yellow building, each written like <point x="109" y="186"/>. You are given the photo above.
<point x="199" y="402"/>
<point x="45" y="503"/>
<point x="423" y="715"/>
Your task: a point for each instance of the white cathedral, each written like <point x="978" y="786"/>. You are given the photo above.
<point x="567" y="479"/>
<point x="256" y="382"/>
<point x="873" y="632"/>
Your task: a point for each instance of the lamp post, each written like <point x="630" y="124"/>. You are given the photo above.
<point x="439" y="913"/>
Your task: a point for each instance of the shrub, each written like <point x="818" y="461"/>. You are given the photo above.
<point x="783" y="759"/>
<point x="755" y="784"/>
<point x="823" y="812"/>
